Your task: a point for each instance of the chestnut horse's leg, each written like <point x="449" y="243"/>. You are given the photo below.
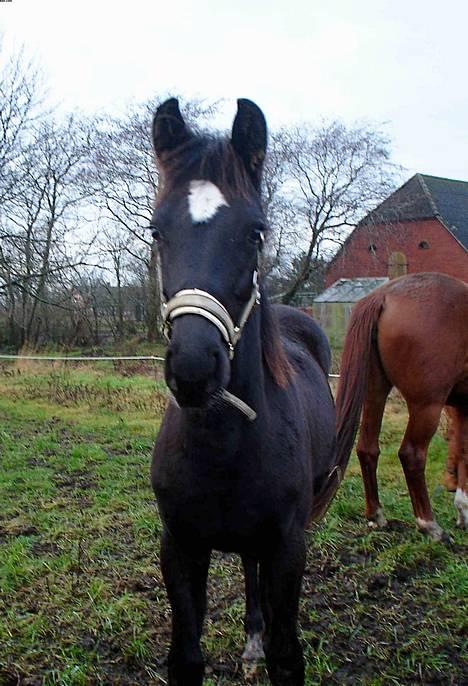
<point x="450" y="477"/>
<point x="253" y="623"/>
<point x="459" y="418"/>
<point x="280" y="584"/>
<point x="185" y="578"/>
<point x="368" y="448"/>
<point x="422" y="425"/>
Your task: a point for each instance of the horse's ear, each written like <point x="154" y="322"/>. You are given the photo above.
<point x="169" y="129"/>
<point x="249" y="138"/>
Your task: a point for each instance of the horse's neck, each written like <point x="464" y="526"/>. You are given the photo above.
<point x="247" y="373"/>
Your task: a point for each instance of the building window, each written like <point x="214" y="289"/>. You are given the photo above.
<point x="397" y="265"/>
<point x="372" y="248"/>
<point x="424" y="245"/>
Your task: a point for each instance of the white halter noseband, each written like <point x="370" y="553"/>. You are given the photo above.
<point x="202" y="303"/>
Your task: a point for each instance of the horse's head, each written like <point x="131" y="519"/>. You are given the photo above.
<point x="209" y="227"/>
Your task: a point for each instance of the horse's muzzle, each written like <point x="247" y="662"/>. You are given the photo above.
<point x="197" y="363"/>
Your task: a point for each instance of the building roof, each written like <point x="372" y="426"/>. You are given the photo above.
<point x="425" y="197"/>
<point x="350" y="290"/>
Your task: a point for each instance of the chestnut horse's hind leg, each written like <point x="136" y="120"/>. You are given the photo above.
<point x="368" y="448"/>
<point x="280" y="584"/>
<point x="185" y="579"/>
<point x="450" y="478"/>
<point x="254" y="625"/>
<point x="459" y="418"/>
<point x="422" y="425"/>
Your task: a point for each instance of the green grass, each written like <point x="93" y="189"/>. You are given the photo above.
<point x="81" y="595"/>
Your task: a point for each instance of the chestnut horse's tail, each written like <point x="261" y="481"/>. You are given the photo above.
<point x="360" y="346"/>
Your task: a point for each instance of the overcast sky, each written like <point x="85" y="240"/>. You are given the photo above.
<point x="399" y="63"/>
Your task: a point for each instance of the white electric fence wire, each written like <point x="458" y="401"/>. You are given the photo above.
<point x="68" y="358"/>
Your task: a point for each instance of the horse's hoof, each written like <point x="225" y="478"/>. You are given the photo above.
<point x="252" y="655"/>
<point x="377" y="520"/>
<point x="434" y="531"/>
<point x="253" y="651"/>
<point x="249" y="670"/>
<point x="450" y="480"/>
<point x="446" y="538"/>
<point x="461" y="504"/>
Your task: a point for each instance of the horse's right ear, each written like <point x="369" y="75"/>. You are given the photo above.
<point x="169" y="129"/>
<point x="249" y="138"/>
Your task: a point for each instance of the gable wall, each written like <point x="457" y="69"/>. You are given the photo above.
<point x="444" y="254"/>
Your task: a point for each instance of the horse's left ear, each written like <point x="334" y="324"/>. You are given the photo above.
<point x="249" y="138"/>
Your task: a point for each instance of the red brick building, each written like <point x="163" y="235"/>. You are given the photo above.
<point x="423" y="226"/>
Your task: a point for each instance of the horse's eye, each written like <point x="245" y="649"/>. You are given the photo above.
<point x="257" y="237"/>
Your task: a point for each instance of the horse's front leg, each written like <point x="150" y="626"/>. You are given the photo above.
<point x="281" y="573"/>
<point x="253" y="651"/>
<point x="185" y="577"/>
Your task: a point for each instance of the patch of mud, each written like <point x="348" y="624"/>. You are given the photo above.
<point x="76" y="481"/>
<point x="14" y="530"/>
<point x="40" y="548"/>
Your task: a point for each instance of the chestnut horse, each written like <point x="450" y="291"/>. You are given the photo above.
<point x="411" y="333"/>
<point x="246" y="454"/>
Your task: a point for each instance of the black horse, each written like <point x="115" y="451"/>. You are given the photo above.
<point x="246" y="454"/>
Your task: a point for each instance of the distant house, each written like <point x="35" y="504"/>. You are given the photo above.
<point x="422" y="226"/>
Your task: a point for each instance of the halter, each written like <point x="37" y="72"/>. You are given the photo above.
<point x="202" y="303"/>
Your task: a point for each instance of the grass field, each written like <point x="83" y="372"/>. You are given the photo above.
<point x="81" y="596"/>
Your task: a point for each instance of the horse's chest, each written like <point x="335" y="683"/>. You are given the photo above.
<point x="225" y="506"/>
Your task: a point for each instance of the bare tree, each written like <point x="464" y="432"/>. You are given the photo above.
<point x="335" y="174"/>
<point x="20" y="100"/>
<point x="113" y="246"/>
<point x="126" y="181"/>
<point x="42" y="220"/>
<point x="277" y="206"/>
<point x="77" y="186"/>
